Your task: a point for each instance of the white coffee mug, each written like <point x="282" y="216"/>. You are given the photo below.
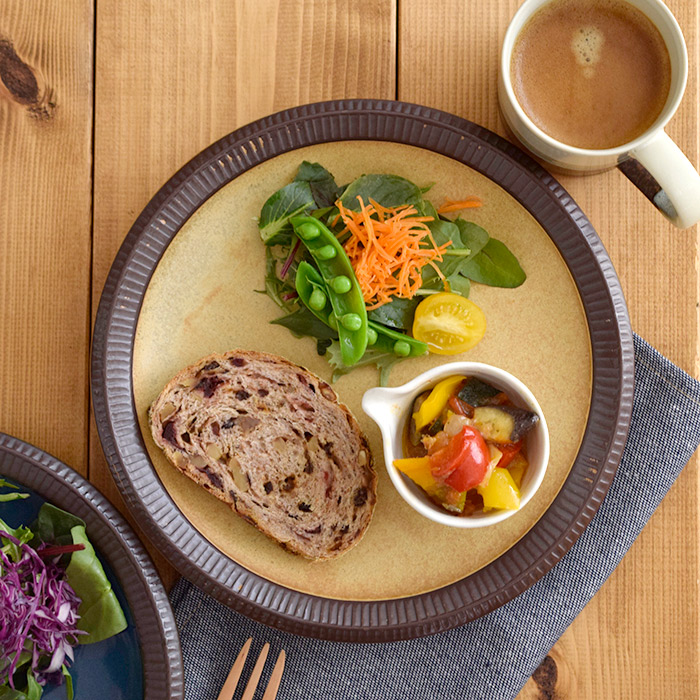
<point x="679" y="196"/>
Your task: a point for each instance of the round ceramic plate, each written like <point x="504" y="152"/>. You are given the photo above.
<point x="144" y="660"/>
<point x="184" y="285"/>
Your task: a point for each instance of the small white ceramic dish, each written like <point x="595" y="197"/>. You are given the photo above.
<point x="390" y="408"/>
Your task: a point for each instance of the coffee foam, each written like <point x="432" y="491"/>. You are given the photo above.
<point x="587" y="46"/>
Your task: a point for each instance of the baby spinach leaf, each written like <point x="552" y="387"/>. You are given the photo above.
<point x="387" y="190"/>
<point x="453" y="259"/>
<point x="473" y="236"/>
<point x="292" y="200"/>
<point x="425" y="208"/>
<point x="323" y="186"/>
<point x="304" y="323"/>
<point x="398" y="313"/>
<point x="101" y="615"/>
<point x="459" y="284"/>
<point x="445" y="232"/>
<point x="495" y="265"/>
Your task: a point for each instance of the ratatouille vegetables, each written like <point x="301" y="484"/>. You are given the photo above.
<point x="466" y="446"/>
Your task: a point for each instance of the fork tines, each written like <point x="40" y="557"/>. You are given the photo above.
<point x="234" y="675"/>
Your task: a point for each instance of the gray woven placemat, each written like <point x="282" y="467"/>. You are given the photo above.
<point x="492" y="657"/>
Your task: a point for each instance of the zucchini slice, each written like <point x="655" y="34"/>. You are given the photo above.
<point x="503" y="423"/>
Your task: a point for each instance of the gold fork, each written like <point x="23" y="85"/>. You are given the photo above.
<point x="234" y="675"/>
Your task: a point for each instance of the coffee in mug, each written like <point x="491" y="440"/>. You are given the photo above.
<point x="592" y="74"/>
<point x="587" y="85"/>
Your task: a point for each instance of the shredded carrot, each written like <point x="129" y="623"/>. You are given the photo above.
<point x="457" y="205"/>
<point x="388" y="248"/>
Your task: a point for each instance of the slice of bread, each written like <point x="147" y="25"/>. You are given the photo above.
<point x="270" y="439"/>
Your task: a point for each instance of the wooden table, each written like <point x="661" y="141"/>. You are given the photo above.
<point x="102" y="100"/>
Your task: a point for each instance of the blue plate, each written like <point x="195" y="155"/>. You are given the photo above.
<point x="144" y="660"/>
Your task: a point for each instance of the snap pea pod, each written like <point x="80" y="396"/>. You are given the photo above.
<point x="390" y="340"/>
<point x="341" y="286"/>
<point x="312" y="291"/>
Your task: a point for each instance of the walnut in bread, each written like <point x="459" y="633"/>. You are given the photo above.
<point x="270" y="439"/>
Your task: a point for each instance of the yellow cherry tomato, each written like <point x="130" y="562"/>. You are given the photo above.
<point x="448" y="323"/>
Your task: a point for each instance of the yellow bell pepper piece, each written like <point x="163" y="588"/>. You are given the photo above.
<point x="501" y="491"/>
<point x="517" y="468"/>
<point x="417" y="469"/>
<point x="432" y="407"/>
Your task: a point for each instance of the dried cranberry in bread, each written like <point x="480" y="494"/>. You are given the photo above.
<point x="270" y="439"/>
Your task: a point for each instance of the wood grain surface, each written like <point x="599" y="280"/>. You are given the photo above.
<point x="162" y="82"/>
<point x="45" y="235"/>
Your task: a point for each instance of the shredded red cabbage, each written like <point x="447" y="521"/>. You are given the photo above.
<point x="38" y="614"/>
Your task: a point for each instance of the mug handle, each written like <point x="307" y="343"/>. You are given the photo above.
<point x="677" y="194"/>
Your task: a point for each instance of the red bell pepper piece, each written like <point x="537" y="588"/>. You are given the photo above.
<point x="509" y="451"/>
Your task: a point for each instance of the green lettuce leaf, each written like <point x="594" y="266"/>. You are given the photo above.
<point x="69" y="682"/>
<point x="10" y="549"/>
<point x="34" y="690"/>
<point x="101" y="615"/>
<point x="6" y="693"/>
<point x="6" y="497"/>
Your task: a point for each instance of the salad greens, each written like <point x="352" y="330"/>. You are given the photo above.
<point x="54" y="594"/>
<point x="467" y="255"/>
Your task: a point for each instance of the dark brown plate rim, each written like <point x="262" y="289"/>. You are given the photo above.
<point x="612" y="353"/>
<point x="153" y="617"/>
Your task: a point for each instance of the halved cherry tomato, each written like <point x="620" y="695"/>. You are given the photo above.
<point x="462" y="463"/>
<point x="448" y="323"/>
<point x="509" y="451"/>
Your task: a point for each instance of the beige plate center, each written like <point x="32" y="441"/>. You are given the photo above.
<point x="202" y="299"/>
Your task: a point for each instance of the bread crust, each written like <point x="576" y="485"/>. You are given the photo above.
<point x="271" y="440"/>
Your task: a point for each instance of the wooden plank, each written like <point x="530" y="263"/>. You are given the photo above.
<point x="46" y="61"/>
<point x="173" y="78"/>
<point x="638" y="638"/>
